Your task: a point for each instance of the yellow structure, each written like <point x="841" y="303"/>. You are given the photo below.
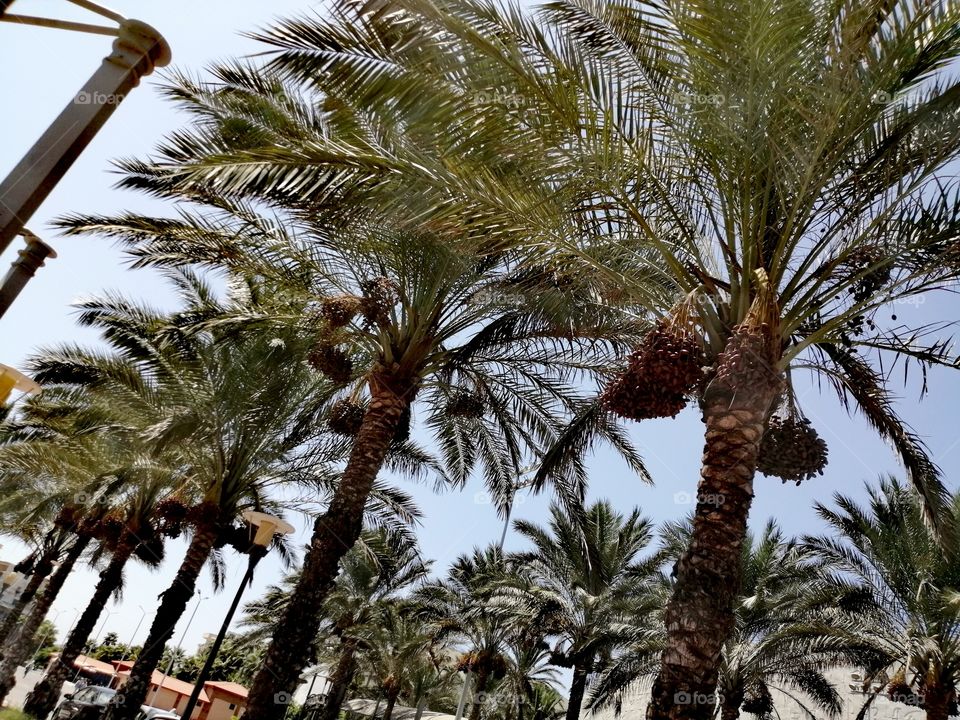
<point x="11" y="379"/>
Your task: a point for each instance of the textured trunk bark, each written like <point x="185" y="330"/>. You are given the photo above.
<point x="340" y="681"/>
<point x="44" y="696"/>
<point x="482" y="679"/>
<point x="577" y="687"/>
<point x="20" y="646"/>
<point x="936" y="702"/>
<point x="730" y="706"/>
<point x="174" y="603"/>
<point x="334" y="533"/>
<point x="388" y="710"/>
<point x="42" y="569"/>
<point x="699" y="616"/>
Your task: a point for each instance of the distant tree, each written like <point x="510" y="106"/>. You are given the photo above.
<point x="46" y="638"/>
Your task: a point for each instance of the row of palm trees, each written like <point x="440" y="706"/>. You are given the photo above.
<point x="471" y="214"/>
<point x="590" y="594"/>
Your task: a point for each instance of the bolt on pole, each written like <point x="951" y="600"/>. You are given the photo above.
<point x="137" y="50"/>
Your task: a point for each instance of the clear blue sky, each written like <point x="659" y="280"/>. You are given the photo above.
<point x="41" y="70"/>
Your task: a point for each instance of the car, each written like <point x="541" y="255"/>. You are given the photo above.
<point x="86" y="704"/>
<point x="154" y="713"/>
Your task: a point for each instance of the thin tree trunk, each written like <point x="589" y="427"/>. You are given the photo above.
<point x="19" y="648"/>
<point x="45" y="693"/>
<point x="340" y="681"/>
<point x="388" y="710"/>
<point x="334" y="533"/>
<point x="479" y="692"/>
<point x="42" y="568"/>
<point x="936" y="702"/>
<point x="699" y="616"/>
<point x="730" y="705"/>
<point x="174" y="603"/>
<point x="577" y="688"/>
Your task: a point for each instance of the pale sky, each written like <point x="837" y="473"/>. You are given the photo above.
<point x="41" y="69"/>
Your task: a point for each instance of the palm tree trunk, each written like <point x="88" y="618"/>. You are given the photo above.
<point x="334" y="533"/>
<point x="730" y="705"/>
<point x="479" y="691"/>
<point x="936" y="702"/>
<point x="19" y="647"/>
<point x="42" y="568"/>
<point x="391" y="701"/>
<point x="174" y="603"/>
<point x="577" y="688"/>
<point x="45" y="693"/>
<point x="699" y="616"/>
<point x="340" y="681"/>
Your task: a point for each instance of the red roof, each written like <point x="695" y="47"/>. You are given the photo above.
<point x="88" y="663"/>
<point x="230" y="688"/>
<point x="170" y="683"/>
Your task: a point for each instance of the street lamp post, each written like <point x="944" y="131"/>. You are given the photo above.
<point x="143" y="614"/>
<point x="515" y="487"/>
<point x="265" y="527"/>
<point x="103" y="625"/>
<point x="28" y="261"/>
<point x="137" y="50"/>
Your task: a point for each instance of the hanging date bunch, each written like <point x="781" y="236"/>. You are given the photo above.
<point x="867" y="262"/>
<point x="662" y="372"/>
<point x="331" y="361"/>
<point x="792" y="450"/>
<point x="379" y="297"/>
<point x="758" y="700"/>
<point x="465" y="404"/>
<point x="339" y="310"/>
<point x="346" y="417"/>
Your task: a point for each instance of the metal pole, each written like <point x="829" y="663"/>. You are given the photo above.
<point x="256" y="553"/>
<point x="143" y="614"/>
<point x="137" y="50"/>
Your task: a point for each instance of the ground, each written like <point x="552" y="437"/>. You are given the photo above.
<point x="25" y="685"/>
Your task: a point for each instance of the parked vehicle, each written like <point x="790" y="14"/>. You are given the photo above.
<point x="153" y="713"/>
<point x="85" y="704"/>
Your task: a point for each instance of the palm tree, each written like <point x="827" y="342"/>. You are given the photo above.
<point x="778" y="642"/>
<point x="241" y="417"/>
<point x="775" y="166"/>
<point x="381" y="565"/>
<point x="459" y="606"/>
<point x="586" y="583"/>
<point x="528" y="675"/>
<point x="895" y="590"/>
<point x="395" y="645"/>
<point x="443" y="318"/>
<point x="783" y="161"/>
<point x="136" y="531"/>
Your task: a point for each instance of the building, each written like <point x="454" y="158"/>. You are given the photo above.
<point x="12" y="584"/>
<point x="217" y="701"/>
<point x="848" y="683"/>
<point x="226" y="700"/>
